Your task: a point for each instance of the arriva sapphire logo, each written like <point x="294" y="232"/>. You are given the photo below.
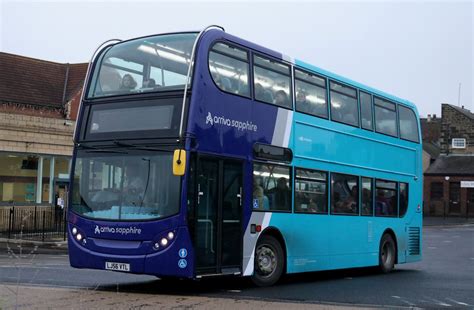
<point x="222" y="120"/>
<point x="182" y="263"/>
<point x="209" y="119"/>
<point x="117" y="230"/>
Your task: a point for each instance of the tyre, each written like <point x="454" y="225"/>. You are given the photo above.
<point x="269" y="261"/>
<point x="387" y="253"/>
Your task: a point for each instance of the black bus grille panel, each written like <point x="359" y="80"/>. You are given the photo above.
<point x="413" y="241"/>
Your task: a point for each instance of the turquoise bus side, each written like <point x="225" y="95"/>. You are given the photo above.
<point x="322" y="242"/>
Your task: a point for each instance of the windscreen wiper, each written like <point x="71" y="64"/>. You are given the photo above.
<point x="138" y="147"/>
<point x="95" y="149"/>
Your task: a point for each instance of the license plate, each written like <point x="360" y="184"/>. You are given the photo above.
<point x="117" y="266"/>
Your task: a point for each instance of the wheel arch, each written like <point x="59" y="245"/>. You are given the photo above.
<point x="276" y="233"/>
<point x="390" y="232"/>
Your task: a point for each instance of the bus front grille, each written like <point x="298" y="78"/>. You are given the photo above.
<point x="413" y="240"/>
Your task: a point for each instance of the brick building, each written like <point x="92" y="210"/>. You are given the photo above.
<point x="449" y="180"/>
<point x="38" y="106"/>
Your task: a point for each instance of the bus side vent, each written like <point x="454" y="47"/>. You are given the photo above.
<point x="413" y="240"/>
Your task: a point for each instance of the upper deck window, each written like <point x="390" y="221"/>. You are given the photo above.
<point x="229" y="68"/>
<point x="408" y="124"/>
<point x="385" y="117"/>
<point x="311" y="94"/>
<point x="344" y="104"/>
<point x="143" y="65"/>
<point x="272" y="82"/>
<point x="366" y="110"/>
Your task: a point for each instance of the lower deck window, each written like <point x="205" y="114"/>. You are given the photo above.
<point x="271" y="188"/>
<point x="386" y="198"/>
<point x="344" y="194"/>
<point x="310" y="191"/>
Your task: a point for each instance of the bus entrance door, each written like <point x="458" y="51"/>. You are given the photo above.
<point x="218" y="214"/>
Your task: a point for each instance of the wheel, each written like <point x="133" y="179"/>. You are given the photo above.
<point x="269" y="261"/>
<point x="387" y="253"/>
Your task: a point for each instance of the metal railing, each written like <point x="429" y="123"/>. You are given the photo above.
<point x="33" y="223"/>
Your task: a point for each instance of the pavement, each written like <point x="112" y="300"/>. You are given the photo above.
<point x="21" y="246"/>
<point x="59" y="246"/>
<point x="31" y="297"/>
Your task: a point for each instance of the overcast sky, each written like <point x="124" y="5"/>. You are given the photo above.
<point x="417" y="50"/>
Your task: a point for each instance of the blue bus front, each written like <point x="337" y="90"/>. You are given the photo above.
<point x="125" y="202"/>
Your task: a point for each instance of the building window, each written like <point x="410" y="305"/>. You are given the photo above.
<point x="436" y="192"/>
<point x="458" y="143"/>
<point x="19" y="180"/>
<point x="271" y="187"/>
<point x="310" y="191"/>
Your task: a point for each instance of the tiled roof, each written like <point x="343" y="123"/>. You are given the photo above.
<point x="431" y="149"/>
<point x="466" y="112"/>
<point x="32" y="81"/>
<point x="452" y="165"/>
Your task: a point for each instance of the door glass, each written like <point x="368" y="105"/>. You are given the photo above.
<point x="206" y="214"/>
<point x="454" y="197"/>
<point x="470" y="201"/>
<point x="231" y="210"/>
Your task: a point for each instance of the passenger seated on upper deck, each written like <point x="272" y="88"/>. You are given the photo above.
<point x="302" y="104"/>
<point x="281" y="99"/>
<point x="149" y="83"/>
<point x="128" y="83"/>
<point x="259" y="91"/>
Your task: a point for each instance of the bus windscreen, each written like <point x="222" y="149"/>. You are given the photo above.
<point x="125" y="185"/>
<point x="149" y="64"/>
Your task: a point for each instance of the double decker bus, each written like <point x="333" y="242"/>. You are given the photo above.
<point x="200" y="154"/>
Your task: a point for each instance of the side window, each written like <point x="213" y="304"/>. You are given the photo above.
<point x="272" y="82"/>
<point x="344" y="194"/>
<point x="367" y="200"/>
<point x="344" y="104"/>
<point x="311" y="191"/>
<point x="366" y="111"/>
<point x="403" y="199"/>
<point x="385" y="117"/>
<point x="271" y="188"/>
<point x="229" y="67"/>
<point x="386" y="198"/>
<point x="311" y="94"/>
<point x="408" y="124"/>
<point x="436" y="191"/>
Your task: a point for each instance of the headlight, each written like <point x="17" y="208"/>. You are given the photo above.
<point x="74" y="230"/>
<point x="79" y="237"/>
<point x="164" y="241"/>
<point x="170" y="235"/>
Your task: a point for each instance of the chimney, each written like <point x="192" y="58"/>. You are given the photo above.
<point x="429" y="118"/>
